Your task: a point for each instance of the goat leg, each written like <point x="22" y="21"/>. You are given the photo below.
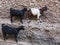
<point x="4" y="36"/>
<point x="29" y="20"/>
<point x="16" y="38"/>
<point x="21" y="21"/>
<point x="11" y="19"/>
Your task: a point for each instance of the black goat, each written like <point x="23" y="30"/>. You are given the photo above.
<point x="11" y="30"/>
<point x="20" y="13"/>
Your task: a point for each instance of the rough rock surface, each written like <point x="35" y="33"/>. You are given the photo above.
<point x="45" y="33"/>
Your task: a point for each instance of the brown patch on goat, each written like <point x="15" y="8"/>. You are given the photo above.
<point x="31" y="16"/>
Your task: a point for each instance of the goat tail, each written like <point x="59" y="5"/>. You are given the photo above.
<point x="3" y="24"/>
<point x="11" y="9"/>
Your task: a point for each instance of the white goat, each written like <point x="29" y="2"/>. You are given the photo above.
<point x="36" y="11"/>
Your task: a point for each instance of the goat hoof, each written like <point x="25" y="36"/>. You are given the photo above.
<point x="21" y="22"/>
<point x="11" y="21"/>
<point x="40" y="21"/>
<point x="16" y="41"/>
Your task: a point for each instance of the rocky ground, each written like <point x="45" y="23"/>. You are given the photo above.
<point x="35" y="33"/>
<point x="46" y="32"/>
